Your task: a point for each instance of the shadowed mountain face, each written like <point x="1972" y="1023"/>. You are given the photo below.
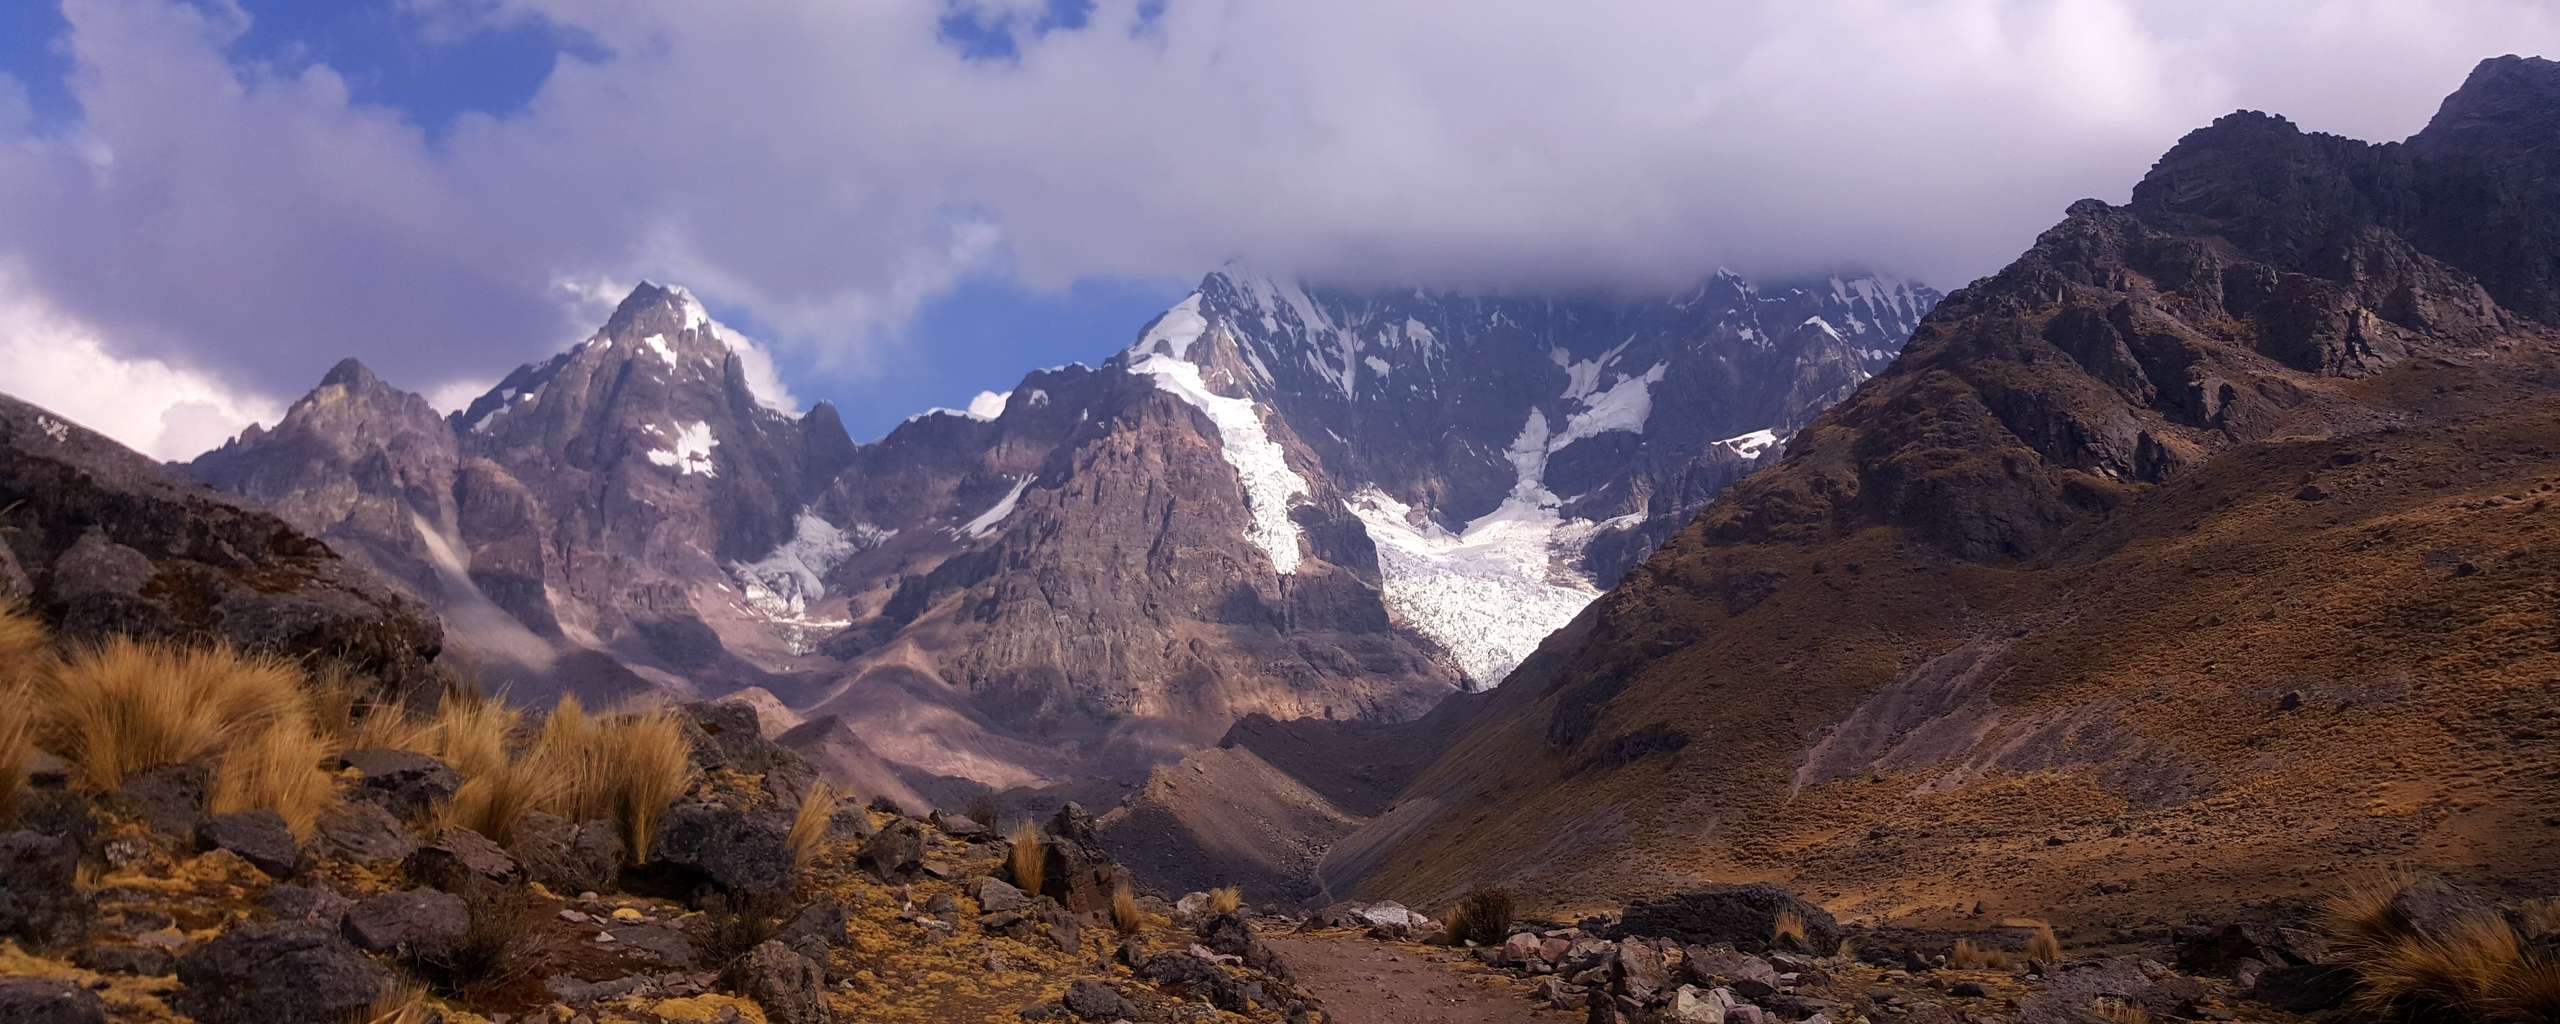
<point x="1295" y="502"/>
<point x="2200" y="552"/>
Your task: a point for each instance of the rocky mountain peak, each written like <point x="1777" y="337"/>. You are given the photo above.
<point x="352" y="374"/>
<point x="2505" y="98"/>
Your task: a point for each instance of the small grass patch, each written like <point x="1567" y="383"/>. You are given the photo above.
<point x="1483" y="917"/>
<point x="1787" y="932"/>
<point x="809" y="825"/>
<point x="1027" y="857"/>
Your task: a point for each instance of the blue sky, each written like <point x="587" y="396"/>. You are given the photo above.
<point x="905" y="202"/>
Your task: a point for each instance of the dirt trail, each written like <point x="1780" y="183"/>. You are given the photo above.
<point x="1362" y="981"/>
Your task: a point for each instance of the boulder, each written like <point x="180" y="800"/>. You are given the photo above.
<point x="409" y="785"/>
<point x="1744" y="916"/>
<point x="415" y="922"/>
<point x="1640" y="972"/>
<point x="40" y="896"/>
<point x="61" y="814"/>
<point x="653" y="947"/>
<point x="459" y="860"/>
<point x="790" y="988"/>
<point x="143" y="961"/>
<point x="306" y="904"/>
<point x="957" y="826"/>
<point x="567" y="857"/>
<point x="1749" y="976"/>
<point x="277" y="974"/>
<point x="851" y="821"/>
<point x="1192" y="976"/>
<point x="1385" y="917"/>
<point x="362" y="832"/>
<point x="1525" y="950"/>
<point x="44" y="1001"/>
<point x="2220" y="951"/>
<point x="897" y="850"/>
<point x="169" y="798"/>
<point x="1693" y="1005"/>
<point x="995" y="895"/>
<point x="1093" y="1000"/>
<point x="259" y="837"/>
<point x="741" y="852"/>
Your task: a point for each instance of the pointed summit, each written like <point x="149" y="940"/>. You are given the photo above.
<point x="352" y="374"/>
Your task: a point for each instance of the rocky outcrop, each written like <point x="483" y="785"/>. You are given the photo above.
<point x="114" y="545"/>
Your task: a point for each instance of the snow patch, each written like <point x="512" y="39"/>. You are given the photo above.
<point x="988" y="405"/>
<point x="785" y="583"/>
<point x="692" y="453"/>
<point x="1626" y="405"/>
<point x="1377" y="365"/>
<point x="1491" y="592"/>
<point x="986" y="522"/>
<point x="1173" y="333"/>
<point x="1750" y="445"/>
<point x="658" y="343"/>
<point x="1270" y="486"/>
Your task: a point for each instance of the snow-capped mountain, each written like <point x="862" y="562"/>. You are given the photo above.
<point x="1279" y="499"/>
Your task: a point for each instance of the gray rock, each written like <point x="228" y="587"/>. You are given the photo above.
<point x="790" y="988"/>
<point x="277" y="974"/>
<point x="259" y="837"/>
<point x="458" y="860"/>
<point x="957" y="826"/>
<point x="995" y="895"/>
<point x="306" y="904"/>
<point x="1745" y="916"/>
<point x="169" y="798"/>
<point x="41" y="1001"/>
<point x="138" y="960"/>
<point x="897" y="850"/>
<point x="1191" y="976"/>
<point x="739" y="851"/>
<point x="1093" y="1000"/>
<point x="416" y="922"/>
<point x="567" y="857"/>
<point x="362" y="832"/>
<point x="654" y="947"/>
<point x="40" y="896"/>
<point x="1749" y="976"/>
<point x="408" y="784"/>
<point x="1640" y="972"/>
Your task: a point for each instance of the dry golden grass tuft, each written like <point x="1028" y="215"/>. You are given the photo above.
<point x="1124" y="910"/>
<point x="1968" y="956"/>
<point x="1483" y="917"/>
<point x="1027" y="857"/>
<point x="2042" y="946"/>
<point x="809" y="825"/>
<point x="17" y="740"/>
<point x="125" y="706"/>
<point x="625" y="769"/>
<point x="1226" y="900"/>
<point x="2539" y="919"/>
<point x="471" y="732"/>
<point x="1788" y="932"/>
<point x="494" y="800"/>
<point x="2118" y="1011"/>
<point x="400" y="1003"/>
<point x="25" y="652"/>
<point x="2363" y="915"/>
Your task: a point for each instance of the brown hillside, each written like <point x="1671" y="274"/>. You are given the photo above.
<point x="2204" y="553"/>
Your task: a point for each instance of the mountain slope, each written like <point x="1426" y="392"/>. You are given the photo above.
<point x="1284" y="501"/>
<point x="2197" y="555"/>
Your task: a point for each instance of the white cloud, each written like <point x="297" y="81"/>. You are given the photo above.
<point x="988" y="405"/>
<point x="146" y="404"/>
<point x="823" y="167"/>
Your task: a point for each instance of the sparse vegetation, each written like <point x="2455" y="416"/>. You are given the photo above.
<point x="125" y="706"/>
<point x="2042" y="946"/>
<point x="1027" y="857"/>
<point x="1483" y="917"/>
<point x="2481" y="967"/>
<point x="625" y="769"/>
<point x="1788" y="932"/>
<point x="2539" y="919"/>
<point x="493" y="800"/>
<point x="809" y="825"/>
<point x="2118" y="1011"/>
<point x="401" y="1003"/>
<point x="505" y="944"/>
<point x="1226" y="900"/>
<point x="1968" y="956"/>
<point x="734" y="923"/>
<point x="16" y="742"/>
<point x="1124" y="910"/>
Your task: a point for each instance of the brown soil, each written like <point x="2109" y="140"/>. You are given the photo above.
<point x="1361" y="981"/>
